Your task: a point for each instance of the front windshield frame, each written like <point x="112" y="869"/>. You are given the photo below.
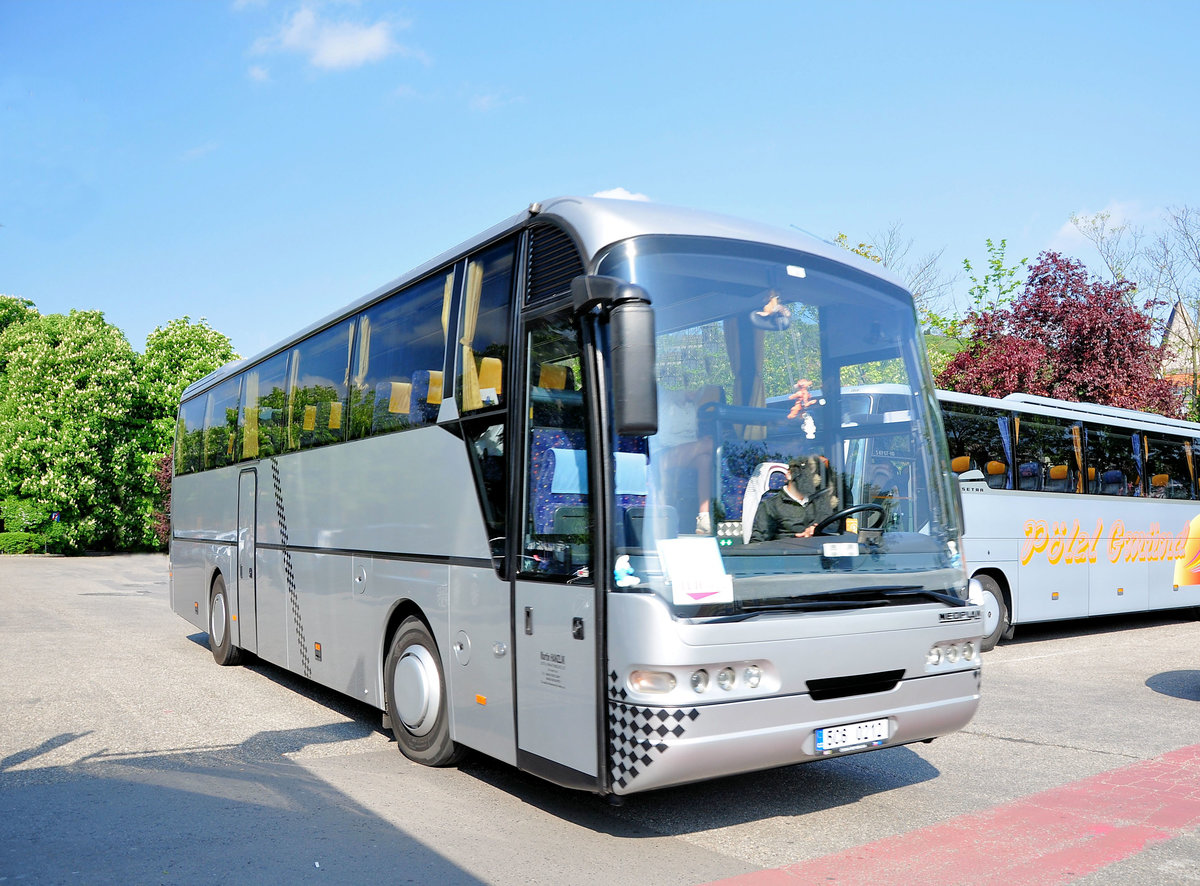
<point x="692" y="283"/>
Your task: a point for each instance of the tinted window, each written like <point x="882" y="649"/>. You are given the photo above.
<point x="189" y="437"/>
<point x="320" y="369"/>
<point x="980" y="439"/>
<point x="1049" y="454"/>
<point x="220" y="424"/>
<point x="485" y="328"/>
<point x="1115" y="461"/>
<point x="1170" y="468"/>
<point x="264" y="408"/>
<point x="401" y="351"/>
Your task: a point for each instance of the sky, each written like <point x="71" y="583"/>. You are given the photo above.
<point x="261" y="163"/>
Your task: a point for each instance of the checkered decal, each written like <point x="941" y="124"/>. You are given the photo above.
<point x="289" y="573"/>
<point x="637" y="733"/>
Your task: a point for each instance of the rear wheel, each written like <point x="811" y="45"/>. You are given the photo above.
<point x="220" y="636"/>
<point x="996" y="621"/>
<point x="415" y="690"/>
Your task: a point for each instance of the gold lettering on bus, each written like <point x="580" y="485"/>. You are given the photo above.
<point x="1070" y="543"/>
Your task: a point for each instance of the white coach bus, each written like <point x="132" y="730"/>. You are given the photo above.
<point x="508" y="499"/>
<point x="1074" y="509"/>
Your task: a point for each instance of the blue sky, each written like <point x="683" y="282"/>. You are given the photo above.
<point x="262" y="162"/>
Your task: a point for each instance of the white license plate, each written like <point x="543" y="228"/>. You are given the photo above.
<point x="868" y="734"/>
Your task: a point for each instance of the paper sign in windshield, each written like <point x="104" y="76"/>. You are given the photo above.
<point x="694" y="570"/>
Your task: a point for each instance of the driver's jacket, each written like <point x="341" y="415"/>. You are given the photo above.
<point x="781" y="516"/>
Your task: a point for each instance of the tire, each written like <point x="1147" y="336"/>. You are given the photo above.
<point x="220" y="636"/>
<point x="415" y="694"/>
<point x="996" y="621"/>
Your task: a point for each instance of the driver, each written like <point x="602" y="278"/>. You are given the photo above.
<point x="805" y="501"/>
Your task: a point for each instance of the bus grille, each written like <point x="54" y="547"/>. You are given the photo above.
<point x="857" y="684"/>
<point x="553" y="263"/>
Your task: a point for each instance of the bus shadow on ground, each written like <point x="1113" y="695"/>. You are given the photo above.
<point x="741" y="799"/>
<point x="1039" y="632"/>
<point x="1177" y="684"/>
<point x="223" y="814"/>
<point x="365" y="718"/>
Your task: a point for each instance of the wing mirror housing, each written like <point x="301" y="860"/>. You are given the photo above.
<point x="626" y="307"/>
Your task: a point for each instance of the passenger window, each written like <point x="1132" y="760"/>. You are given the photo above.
<point x="264" y="408"/>
<point x="220" y="424"/>
<point x="484" y="331"/>
<point x="558" y="528"/>
<point x="189" y="437"/>
<point x="397" y="381"/>
<point x="980" y="439"/>
<point x="1115" y="461"/>
<point x="1049" y="454"/>
<point x="320" y="373"/>
<point x="1170" y="468"/>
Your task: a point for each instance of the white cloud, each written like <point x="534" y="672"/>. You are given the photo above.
<point x="259" y="74"/>
<point x="200" y="151"/>
<point x="621" y="194"/>
<point x="337" y="45"/>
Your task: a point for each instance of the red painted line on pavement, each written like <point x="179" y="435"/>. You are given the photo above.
<point x="1055" y="836"/>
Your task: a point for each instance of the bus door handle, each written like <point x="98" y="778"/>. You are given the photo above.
<point x="528" y="619"/>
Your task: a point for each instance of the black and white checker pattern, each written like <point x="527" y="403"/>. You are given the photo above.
<point x="638" y="734"/>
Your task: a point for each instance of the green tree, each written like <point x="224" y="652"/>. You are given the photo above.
<point x="176" y="355"/>
<point x="67" y="436"/>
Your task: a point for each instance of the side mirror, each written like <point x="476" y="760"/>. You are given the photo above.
<point x="631" y="346"/>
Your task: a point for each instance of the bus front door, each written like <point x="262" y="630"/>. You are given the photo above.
<point x="557" y="727"/>
<point x="247" y="630"/>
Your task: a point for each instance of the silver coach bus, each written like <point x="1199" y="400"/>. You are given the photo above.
<point x="510" y="499"/>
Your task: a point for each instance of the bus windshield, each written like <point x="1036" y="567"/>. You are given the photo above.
<point x="799" y="461"/>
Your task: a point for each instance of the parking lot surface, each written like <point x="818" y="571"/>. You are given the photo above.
<point x="128" y="756"/>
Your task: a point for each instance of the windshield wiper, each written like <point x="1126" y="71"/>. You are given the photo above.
<point x="843" y="598"/>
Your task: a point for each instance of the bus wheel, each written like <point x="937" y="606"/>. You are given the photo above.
<point x="220" y="637"/>
<point x="996" y="622"/>
<point x="415" y="691"/>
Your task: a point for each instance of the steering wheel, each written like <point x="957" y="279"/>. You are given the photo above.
<point x="819" y="529"/>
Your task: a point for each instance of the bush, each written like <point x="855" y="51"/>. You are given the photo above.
<point x="21" y="542"/>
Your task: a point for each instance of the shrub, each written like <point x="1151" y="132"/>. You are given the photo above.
<point x="21" y="542"/>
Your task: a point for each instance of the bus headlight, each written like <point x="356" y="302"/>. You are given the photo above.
<point x="700" y="680"/>
<point x="726" y="678"/>
<point x="934" y="656"/>
<point x="753" y="676"/>
<point x="968" y="651"/>
<point x="651" y="681"/>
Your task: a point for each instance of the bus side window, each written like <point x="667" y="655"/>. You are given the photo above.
<point x="401" y="347"/>
<point x="264" y="408"/>
<point x="189" y="437"/>
<point x="1118" y="457"/>
<point x="1169" y="467"/>
<point x="491" y="479"/>
<point x="319" y="395"/>
<point x="220" y="424"/>
<point x="483" y="337"/>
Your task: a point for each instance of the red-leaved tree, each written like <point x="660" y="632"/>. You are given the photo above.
<point x="1068" y="336"/>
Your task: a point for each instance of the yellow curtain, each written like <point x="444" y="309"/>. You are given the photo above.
<point x="471" y="398"/>
<point x="748" y="387"/>
<point x="447" y="292"/>
<point x="250" y="434"/>
<point x="1077" y="439"/>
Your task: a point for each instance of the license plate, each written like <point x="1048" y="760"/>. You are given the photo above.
<point x="868" y="734"/>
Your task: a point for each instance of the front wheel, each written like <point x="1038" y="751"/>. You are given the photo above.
<point x="996" y="621"/>
<point x="415" y="691"/>
<point x="220" y="636"/>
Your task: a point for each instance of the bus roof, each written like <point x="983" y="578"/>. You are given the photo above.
<point x="1031" y="403"/>
<point x="596" y="223"/>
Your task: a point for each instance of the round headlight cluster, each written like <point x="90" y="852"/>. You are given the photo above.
<point x="726" y="677"/>
<point x="950" y="653"/>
